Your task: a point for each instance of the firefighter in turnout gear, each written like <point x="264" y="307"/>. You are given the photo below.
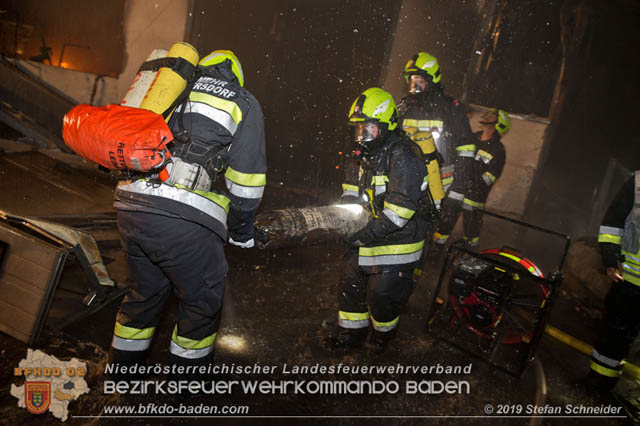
<point x="378" y="276"/>
<point x="619" y="239"/>
<point x="175" y="230"/>
<point x="435" y="121"/>
<point x="488" y="162"/>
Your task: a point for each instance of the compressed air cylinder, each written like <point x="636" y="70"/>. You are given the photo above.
<point x="168" y="84"/>
<point x="142" y="82"/>
<point x="311" y="225"/>
<point x="427" y="145"/>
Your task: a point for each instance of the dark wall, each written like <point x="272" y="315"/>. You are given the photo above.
<point x="90" y="31"/>
<point x="516" y="56"/>
<point x="593" y="136"/>
<point x="305" y="62"/>
<point x="446" y="32"/>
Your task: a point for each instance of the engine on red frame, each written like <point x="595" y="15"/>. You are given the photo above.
<point x="478" y="292"/>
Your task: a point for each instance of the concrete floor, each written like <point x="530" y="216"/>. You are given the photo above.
<point x="275" y="306"/>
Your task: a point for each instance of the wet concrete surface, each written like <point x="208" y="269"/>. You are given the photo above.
<point x="279" y="306"/>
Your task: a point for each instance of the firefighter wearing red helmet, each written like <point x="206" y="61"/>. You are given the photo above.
<point x="175" y="230"/>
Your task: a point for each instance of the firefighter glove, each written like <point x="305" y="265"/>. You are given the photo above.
<point x="243" y="244"/>
<point x="360" y="238"/>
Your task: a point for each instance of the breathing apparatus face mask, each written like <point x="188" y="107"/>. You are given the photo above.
<point x="365" y="132"/>
<point x="417" y="84"/>
<point x="367" y="135"/>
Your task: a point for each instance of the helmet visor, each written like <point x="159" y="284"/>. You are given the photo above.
<point x="417" y="84"/>
<point x="365" y="131"/>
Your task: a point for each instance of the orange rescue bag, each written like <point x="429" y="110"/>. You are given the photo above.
<point x="118" y="137"/>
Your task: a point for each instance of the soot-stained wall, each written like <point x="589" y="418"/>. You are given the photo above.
<point x="516" y="55"/>
<point x="593" y="137"/>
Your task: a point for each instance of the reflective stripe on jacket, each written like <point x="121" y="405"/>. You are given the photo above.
<point x="209" y="209"/>
<point x="392" y="183"/>
<point x="444" y="117"/>
<point x="630" y="247"/>
<point x="220" y="116"/>
<point x="618" y="234"/>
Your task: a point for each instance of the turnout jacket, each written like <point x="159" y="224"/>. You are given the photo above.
<point x="619" y="234"/>
<point x="487" y="165"/>
<point x="436" y="111"/>
<point x="226" y="128"/>
<point x="391" y="181"/>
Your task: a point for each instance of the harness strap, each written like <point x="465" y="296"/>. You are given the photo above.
<point x="180" y="65"/>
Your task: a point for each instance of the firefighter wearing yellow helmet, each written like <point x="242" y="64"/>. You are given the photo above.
<point x="388" y="180"/>
<point x="486" y="167"/>
<point x="430" y="117"/>
<point x="175" y="229"/>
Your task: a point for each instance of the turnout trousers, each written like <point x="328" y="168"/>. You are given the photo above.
<point x="455" y="203"/>
<point x="618" y="331"/>
<point x="166" y="254"/>
<point x="377" y="297"/>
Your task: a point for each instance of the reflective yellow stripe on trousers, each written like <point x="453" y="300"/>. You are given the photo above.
<point x="605" y="371"/>
<point x="130" y="338"/>
<point x="385" y="326"/>
<point x="189" y="348"/>
<point x="353" y="320"/>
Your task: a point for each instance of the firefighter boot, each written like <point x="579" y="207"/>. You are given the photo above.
<point x="126" y="359"/>
<point x="347" y="338"/>
<point x="380" y="340"/>
<point x="596" y="384"/>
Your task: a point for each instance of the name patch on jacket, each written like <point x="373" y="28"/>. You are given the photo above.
<point x="214" y="86"/>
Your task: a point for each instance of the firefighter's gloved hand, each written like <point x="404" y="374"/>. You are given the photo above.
<point x="259" y="240"/>
<point x="359" y="239"/>
<point x="243" y="244"/>
<point x="352" y="241"/>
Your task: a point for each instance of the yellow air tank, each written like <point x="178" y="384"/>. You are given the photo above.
<point x="424" y="140"/>
<point x="143" y="81"/>
<point x="168" y="84"/>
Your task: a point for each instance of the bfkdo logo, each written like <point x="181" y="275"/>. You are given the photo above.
<point x="37" y="396"/>
<point x="49" y="384"/>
